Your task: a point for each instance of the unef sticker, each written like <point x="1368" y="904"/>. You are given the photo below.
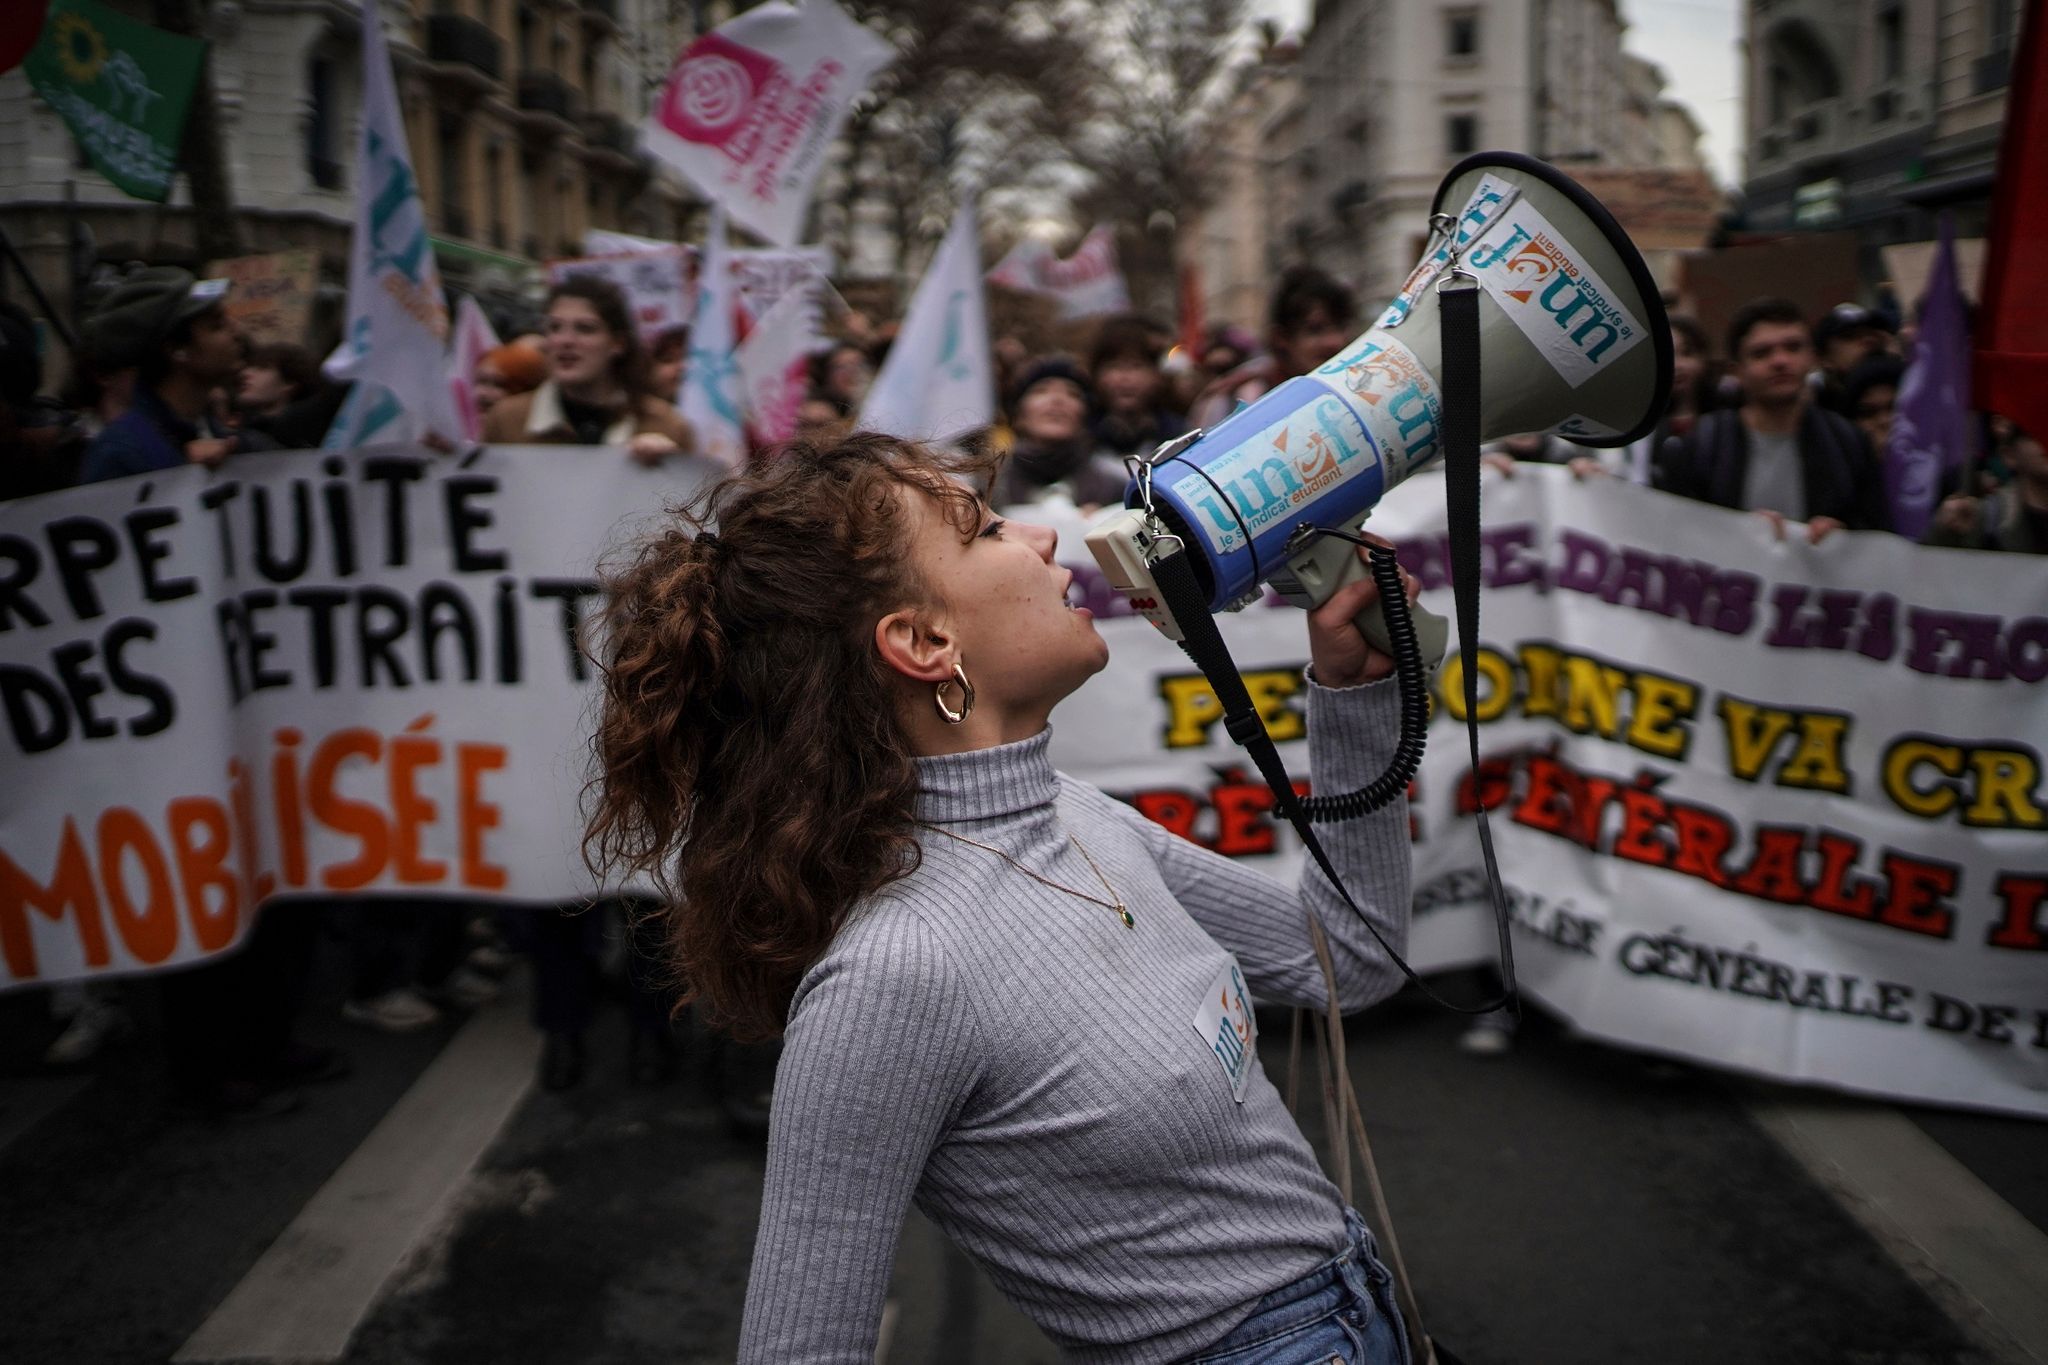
<point x="1568" y="312"/>
<point x="1225" y="1025"/>
<point x="1481" y="211"/>
<point x="1313" y="446"/>
<point x="1402" y="404"/>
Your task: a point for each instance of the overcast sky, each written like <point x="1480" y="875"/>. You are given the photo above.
<point x="1693" y="40"/>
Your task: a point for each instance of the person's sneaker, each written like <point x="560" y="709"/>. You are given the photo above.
<point x="91" y="1029"/>
<point x="492" y="959"/>
<point x="1491" y="1034"/>
<point x="466" y="989"/>
<point x="399" y="1011"/>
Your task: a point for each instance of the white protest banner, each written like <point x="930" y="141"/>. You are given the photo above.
<point x="1761" y="805"/>
<point x="475" y="338"/>
<point x="751" y="107"/>
<point x="665" y="295"/>
<point x="397" y="317"/>
<point x="1085" y="284"/>
<point x="306" y="674"/>
<point x="939" y="380"/>
<point x="711" y="400"/>
<point x="271" y="298"/>
<point x="764" y="274"/>
<point x="775" y="368"/>
<point x="658" y="284"/>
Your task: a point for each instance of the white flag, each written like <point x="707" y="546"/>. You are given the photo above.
<point x="1086" y="284"/>
<point x="711" y="398"/>
<point x="751" y="108"/>
<point x="475" y="338"/>
<point x="938" y="381"/>
<point x="397" y="318"/>
<point x="775" y="365"/>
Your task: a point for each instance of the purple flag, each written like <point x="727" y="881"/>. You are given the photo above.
<point x="1932" y="430"/>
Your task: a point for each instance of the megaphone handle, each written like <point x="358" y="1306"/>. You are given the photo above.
<point x="1432" y="632"/>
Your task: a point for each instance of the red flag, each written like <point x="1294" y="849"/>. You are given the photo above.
<point x="2012" y="330"/>
<point x="1192" y="322"/>
<point x="19" y="29"/>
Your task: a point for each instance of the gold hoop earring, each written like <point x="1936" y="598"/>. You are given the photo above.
<point x="947" y="713"/>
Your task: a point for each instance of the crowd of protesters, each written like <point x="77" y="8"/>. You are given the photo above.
<point x="1788" y="417"/>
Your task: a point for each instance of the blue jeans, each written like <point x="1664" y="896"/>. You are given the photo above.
<point x="1340" y="1313"/>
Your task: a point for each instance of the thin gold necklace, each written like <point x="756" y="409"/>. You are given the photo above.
<point x="1115" y="902"/>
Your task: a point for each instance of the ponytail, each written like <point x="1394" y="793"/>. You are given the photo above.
<point x="748" y="760"/>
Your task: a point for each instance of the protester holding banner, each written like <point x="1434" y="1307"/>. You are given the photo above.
<point x="596" y="391"/>
<point x="1781" y="454"/>
<point x="515" y="367"/>
<point x="2015" y="518"/>
<point x="173" y="328"/>
<point x="1002" y="992"/>
<point x="284" y="402"/>
<point x="666" y="357"/>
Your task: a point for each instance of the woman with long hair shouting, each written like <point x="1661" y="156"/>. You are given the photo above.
<point x="1003" y="994"/>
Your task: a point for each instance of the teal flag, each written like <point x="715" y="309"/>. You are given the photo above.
<point x="122" y="86"/>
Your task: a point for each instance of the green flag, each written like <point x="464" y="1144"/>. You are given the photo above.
<point x="122" y="86"/>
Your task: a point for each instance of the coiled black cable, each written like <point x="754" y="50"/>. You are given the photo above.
<point x="1414" y="685"/>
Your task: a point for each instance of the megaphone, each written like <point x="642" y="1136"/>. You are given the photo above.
<point x="1574" y="340"/>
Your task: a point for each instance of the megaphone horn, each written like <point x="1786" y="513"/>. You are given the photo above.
<point x="1574" y="340"/>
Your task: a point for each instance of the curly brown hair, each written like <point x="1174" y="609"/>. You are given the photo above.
<point x="749" y="760"/>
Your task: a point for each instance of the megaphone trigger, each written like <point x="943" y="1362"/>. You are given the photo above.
<point x="1326" y="561"/>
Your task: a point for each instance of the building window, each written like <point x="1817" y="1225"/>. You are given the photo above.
<point x="454" y="220"/>
<point x="494" y="165"/>
<point x="323" y="165"/>
<point x="1461" y="134"/>
<point x="1461" y="34"/>
<point x="528" y="53"/>
<point x="1891" y="44"/>
<point x="1999" y="17"/>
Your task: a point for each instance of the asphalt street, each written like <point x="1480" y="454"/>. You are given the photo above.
<point x="1566" y="1202"/>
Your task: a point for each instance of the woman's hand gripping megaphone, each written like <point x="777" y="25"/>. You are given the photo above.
<point x="1348" y="641"/>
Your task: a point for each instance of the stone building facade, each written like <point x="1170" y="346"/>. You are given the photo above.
<point x="1873" y="116"/>
<point x="523" y="119"/>
<point x="1389" y="94"/>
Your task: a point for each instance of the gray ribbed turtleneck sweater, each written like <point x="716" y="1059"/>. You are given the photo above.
<point x="1027" y="1069"/>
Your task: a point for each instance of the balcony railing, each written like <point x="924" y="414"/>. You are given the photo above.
<point x="611" y="133"/>
<point x="543" y="92"/>
<point x="464" y="42"/>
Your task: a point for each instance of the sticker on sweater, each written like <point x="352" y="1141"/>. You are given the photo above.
<point x="1225" y="1024"/>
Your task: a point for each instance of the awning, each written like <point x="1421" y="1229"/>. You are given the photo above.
<point x="450" y="250"/>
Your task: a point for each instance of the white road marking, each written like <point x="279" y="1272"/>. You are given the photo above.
<point x="1985" y="1263"/>
<point x="305" y="1297"/>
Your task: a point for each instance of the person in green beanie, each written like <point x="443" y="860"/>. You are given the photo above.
<point x="175" y="331"/>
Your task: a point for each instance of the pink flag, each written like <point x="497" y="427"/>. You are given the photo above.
<point x="751" y="108"/>
<point x="474" y="339"/>
<point x="775" y="366"/>
<point x="1086" y="284"/>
